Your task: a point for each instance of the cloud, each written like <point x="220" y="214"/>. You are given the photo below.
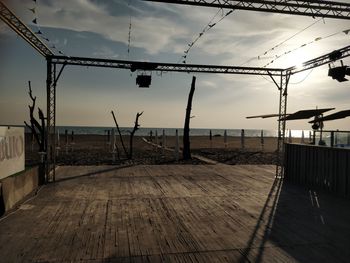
<point x="154" y="34"/>
<point x="105" y="51"/>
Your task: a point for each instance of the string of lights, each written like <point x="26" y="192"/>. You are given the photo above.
<point x="317" y="39"/>
<point x="208" y="27"/>
<point x="39" y="30"/>
<point x="129" y="33"/>
<point x="281" y="43"/>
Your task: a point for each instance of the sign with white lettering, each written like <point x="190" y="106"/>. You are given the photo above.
<point x="11" y="151"/>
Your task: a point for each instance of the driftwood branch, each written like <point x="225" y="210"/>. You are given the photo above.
<point x="120" y="134"/>
<point x="186" y="151"/>
<point x="132" y="133"/>
<point x="35" y="127"/>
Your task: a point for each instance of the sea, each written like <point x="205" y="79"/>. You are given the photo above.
<point x="172" y="131"/>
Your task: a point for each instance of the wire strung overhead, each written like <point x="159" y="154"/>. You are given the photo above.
<point x="39" y="31"/>
<point x="317" y="39"/>
<point x="212" y="23"/>
<point x="281" y="43"/>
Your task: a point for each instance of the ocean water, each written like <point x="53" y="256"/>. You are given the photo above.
<point x="171" y="131"/>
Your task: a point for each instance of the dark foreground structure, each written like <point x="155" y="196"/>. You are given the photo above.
<point x="176" y="213"/>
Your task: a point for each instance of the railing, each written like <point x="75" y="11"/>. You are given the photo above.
<point x="318" y="167"/>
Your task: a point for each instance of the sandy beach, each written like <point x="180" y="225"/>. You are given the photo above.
<point x="98" y="150"/>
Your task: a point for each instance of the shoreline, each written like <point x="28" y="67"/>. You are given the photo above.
<point x="97" y="150"/>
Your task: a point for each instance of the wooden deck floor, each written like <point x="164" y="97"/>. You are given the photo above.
<point x="176" y="213"/>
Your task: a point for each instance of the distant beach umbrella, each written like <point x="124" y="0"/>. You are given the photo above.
<point x="290" y="136"/>
<point x="242" y="139"/>
<point x="336" y="138"/>
<point x="163" y="139"/>
<point x="156" y="137"/>
<point x="302" y="137"/>
<point x="58" y="137"/>
<point x="113" y="141"/>
<point x="66" y="136"/>
<point x="225" y="138"/>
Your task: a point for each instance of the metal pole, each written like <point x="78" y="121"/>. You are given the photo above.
<point x="51" y="120"/>
<point x="283" y="88"/>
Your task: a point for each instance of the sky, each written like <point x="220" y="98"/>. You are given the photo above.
<point x="161" y="32"/>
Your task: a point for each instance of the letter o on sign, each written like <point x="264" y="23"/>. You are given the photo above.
<point x="19" y="146"/>
<point x="2" y="150"/>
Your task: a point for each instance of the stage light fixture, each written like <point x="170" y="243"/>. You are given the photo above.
<point x="143" y="81"/>
<point x="339" y="73"/>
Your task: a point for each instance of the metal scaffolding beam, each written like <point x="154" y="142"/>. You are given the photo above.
<point x="164" y="67"/>
<point x="22" y="30"/>
<point x="313" y="8"/>
<point x="322" y="60"/>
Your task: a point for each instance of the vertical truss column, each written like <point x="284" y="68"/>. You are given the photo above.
<point x="51" y="121"/>
<point x="283" y="89"/>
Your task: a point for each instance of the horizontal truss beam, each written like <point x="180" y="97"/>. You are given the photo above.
<point x="22" y="30"/>
<point x="164" y="67"/>
<point x="190" y="68"/>
<point x="322" y="60"/>
<point x="313" y="8"/>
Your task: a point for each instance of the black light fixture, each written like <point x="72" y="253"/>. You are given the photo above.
<point x="339" y="73"/>
<point x="143" y="81"/>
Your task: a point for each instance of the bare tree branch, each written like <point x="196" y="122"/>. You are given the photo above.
<point x="132" y="133"/>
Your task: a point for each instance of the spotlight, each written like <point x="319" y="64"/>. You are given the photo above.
<point x="143" y="81"/>
<point x="339" y="73"/>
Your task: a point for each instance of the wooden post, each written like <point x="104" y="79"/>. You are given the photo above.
<point x="186" y="152"/>
<point x="332" y="138"/>
<point x="336" y="138"/>
<point x="262" y="139"/>
<point x="176" y="145"/>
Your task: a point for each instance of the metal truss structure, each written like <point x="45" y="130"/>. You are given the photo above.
<point x="164" y="67"/>
<point x="313" y="8"/>
<point x="279" y="76"/>
<point x="322" y="60"/>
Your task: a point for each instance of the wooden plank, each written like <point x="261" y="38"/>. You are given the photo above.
<point x="176" y="213"/>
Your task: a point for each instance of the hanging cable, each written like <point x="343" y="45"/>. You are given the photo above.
<point x="209" y="26"/>
<point x="130" y="25"/>
<point x="281" y="43"/>
<point x="39" y="31"/>
<point x="308" y="74"/>
<point x="304" y="45"/>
